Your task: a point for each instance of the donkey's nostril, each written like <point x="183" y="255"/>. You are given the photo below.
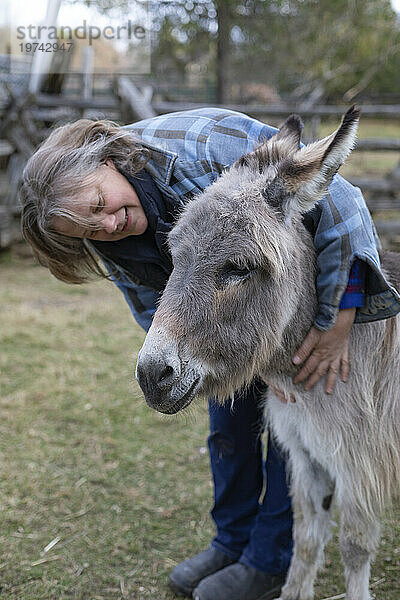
<point x="158" y="370"/>
<point x="166" y="374"/>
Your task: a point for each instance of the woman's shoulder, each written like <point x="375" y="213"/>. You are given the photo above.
<point x="200" y="122"/>
<point x="210" y="133"/>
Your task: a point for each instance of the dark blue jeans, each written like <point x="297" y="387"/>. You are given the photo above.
<point x="254" y="529"/>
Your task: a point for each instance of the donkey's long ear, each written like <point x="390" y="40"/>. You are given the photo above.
<point x="290" y="131"/>
<point x="307" y="174"/>
<point x="283" y="144"/>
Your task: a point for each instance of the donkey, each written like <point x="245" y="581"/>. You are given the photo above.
<point x="239" y="302"/>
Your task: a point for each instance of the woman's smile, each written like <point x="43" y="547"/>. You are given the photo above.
<point x="110" y="204"/>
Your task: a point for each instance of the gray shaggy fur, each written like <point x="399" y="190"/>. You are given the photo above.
<point x="239" y="303"/>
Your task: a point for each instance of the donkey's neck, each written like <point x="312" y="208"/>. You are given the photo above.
<point x="295" y="333"/>
<point x="303" y="317"/>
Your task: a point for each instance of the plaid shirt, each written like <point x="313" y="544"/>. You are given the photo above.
<point x="190" y="149"/>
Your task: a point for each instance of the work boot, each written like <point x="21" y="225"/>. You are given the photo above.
<point x="190" y="572"/>
<point x="239" y="582"/>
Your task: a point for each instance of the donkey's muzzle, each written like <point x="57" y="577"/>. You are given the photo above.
<point x="168" y="383"/>
<point x="156" y="375"/>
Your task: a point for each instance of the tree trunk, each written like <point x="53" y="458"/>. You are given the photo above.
<point x="223" y="50"/>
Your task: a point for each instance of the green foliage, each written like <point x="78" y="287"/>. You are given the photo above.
<point x="185" y="33"/>
<point x="331" y="48"/>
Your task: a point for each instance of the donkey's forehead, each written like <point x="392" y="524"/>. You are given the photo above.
<point x="208" y="219"/>
<point x="230" y="209"/>
<point x="266" y="157"/>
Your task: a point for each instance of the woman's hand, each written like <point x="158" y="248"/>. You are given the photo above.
<point x="326" y="352"/>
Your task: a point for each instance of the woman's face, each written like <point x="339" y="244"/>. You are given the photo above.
<point x="112" y="203"/>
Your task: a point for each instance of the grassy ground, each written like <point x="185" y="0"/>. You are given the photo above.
<point x="83" y="459"/>
<point x="121" y="491"/>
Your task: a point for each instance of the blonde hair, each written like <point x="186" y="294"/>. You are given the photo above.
<point x="54" y="177"/>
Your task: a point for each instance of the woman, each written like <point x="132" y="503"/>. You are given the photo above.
<point x="94" y="190"/>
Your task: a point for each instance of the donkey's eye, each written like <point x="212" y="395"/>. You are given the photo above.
<point x="231" y="273"/>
